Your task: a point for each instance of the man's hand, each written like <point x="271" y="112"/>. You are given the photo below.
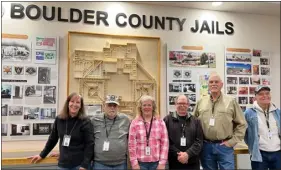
<point x="137" y="167"/>
<point x="226" y="144"/>
<point x="160" y="166"/>
<point x="183" y="157"/>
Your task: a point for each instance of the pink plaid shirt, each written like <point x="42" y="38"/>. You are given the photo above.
<point x="158" y="141"/>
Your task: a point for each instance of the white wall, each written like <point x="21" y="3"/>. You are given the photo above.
<point x="251" y="31"/>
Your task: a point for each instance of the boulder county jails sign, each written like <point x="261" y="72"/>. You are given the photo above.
<point x="18" y="11"/>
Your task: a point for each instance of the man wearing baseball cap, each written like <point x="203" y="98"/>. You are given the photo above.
<point x="111" y="136"/>
<point x="263" y="132"/>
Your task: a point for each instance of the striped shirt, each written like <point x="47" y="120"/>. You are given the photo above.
<point x="158" y="141"/>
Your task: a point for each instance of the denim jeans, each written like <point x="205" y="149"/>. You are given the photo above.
<point x="214" y="155"/>
<point x="74" y="168"/>
<point x="99" y="166"/>
<point x="148" y="165"/>
<point x="270" y="160"/>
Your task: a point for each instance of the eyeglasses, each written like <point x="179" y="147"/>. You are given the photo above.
<point x="182" y="104"/>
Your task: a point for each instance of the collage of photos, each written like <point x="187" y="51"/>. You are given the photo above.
<point x="30" y="91"/>
<point x="245" y="71"/>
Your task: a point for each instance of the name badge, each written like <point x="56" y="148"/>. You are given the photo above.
<point x="66" y="140"/>
<point x="270" y="134"/>
<point x="212" y="122"/>
<point x="106" y="146"/>
<point x="147" y="150"/>
<point x="183" y="141"/>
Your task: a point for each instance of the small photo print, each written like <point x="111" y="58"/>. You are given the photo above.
<point x="48" y="113"/>
<point x="17" y="91"/>
<point x="255" y="80"/>
<point x="256" y="70"/>
<point x="30" y="71"/>
<point x="49" y="95"/>
<point x="177" y="74"/>
<point x="264" y="61"/>
<point x="4" y="129"/>
<point x="232" y="80"/>
<point x="7" y="70"/>
<point x="191" y="97"/>
<point x="4" y="110"/>
<point x="251" y="100"/>
<point x="20" y="129"/>
<point x="231" y="90"/>
<point x="42" y="128"/>
<point x="243" y="80"/>
<point x="18" y="70"/>
<point x="191" y="107"/>
<point x="15" y="110"/>
<point x="172" y="100"/>
<point x="175" y="87"/>
<point x="187" y="74"/>
<point x="6" y="91"/>
<point x="265" y="81"/>
<point x="238" y="69"/>
<point x="252" y="90"/>
<point x="243" y="108"/>
<point x="265" y="71"/>
<point x="238" y="57"/>
<point x="243" y="100"/>
<point x="243" y="90"/>
<point x="44" y="75"/>
<point x="189" y="88"/>
<point x="33" y="91"/>
<point x="31" y="113"/>
<point x="92" y="110"/>
<point x="256" y="53"/>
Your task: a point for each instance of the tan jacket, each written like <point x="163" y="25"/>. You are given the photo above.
<point x="229" y="123"/>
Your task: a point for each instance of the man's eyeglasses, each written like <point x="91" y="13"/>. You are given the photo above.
<point x="182" y="104"/>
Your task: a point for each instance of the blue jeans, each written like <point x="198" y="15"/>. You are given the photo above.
<point x="148" y="165"/>
<point x="99" y="166"/>
<point x="214" y="155"/>
<point x="74" y="168"/>
<point x="270" y="160"/>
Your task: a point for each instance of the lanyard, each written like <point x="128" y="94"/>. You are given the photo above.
<point x="71" y="129"/>
<point x="107" y="133"/>
<point x="183" y="125"/>
<point x="266" y="114"/>
<point x="148" y="133"/>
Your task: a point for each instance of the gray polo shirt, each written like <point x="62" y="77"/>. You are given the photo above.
<point x="118" y="139"/>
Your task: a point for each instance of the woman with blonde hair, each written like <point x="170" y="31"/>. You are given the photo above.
<point x="148" y="138"/>
<point x="75" y="132"/>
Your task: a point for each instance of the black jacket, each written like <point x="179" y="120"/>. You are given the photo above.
<point x="81" y="147"/>
<point x="194" y="138"/>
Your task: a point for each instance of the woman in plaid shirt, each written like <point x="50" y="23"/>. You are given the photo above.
<point x="148" y="137"/>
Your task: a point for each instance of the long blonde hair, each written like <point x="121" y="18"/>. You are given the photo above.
<point x="139" y="106"/>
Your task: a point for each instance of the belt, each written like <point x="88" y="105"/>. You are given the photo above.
<point x="215" y="141"/>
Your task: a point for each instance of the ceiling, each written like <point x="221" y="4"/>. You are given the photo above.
<point x="262" y="8"/>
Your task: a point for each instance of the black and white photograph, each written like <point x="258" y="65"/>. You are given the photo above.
<point x="94" y="109"/>
<point x="33" y="91"/>
<point x="243" y="80"/>
<point x="6" y="91"/>
<point x="4" y="129"/>
<point x="255" y="80"/>
<point x="265" y="71"/>
<point x="232" y="80"/>
<point x="243" y="100"/>
<point x="49" y="95"/>
<point x="7" y="70"/>
<point x="191" y="107"/>
<point x="48" y="113"/>
<point x="191" y="97"/>
<point x="15" y="110"/>
<point x="31" y="113"/>
<point x="20" y="129"/>
<point x="18" y="70"/>
<point x="44" y="75"/>
<point x="42" y="128"/>
<point x="264" y="61"/>
<point x="251" y="100"/>
<point x="4" y="109"/>
<point x="16" y="50"/>
<point x="30" y="71"/>
<point x="172" y="100"/>
<point x="175" y="87"/>
<point x="189" y="88"/>
<point x="17" y="91"/>
<point x="187" y="74"/>
<point x="177" y="74"/>
<point x="231" y="90"/>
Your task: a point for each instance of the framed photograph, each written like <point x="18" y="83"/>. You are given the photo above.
<point x="48" y="113"/>
<point x="6" y="91"/>
<point x="232" y="80"/>
<point x="243" y="90"/>
<point x="238" y="57"/>
<point x="256" y="53"/>
<point x="189" y="88"/>
<point x="251" y="100"/>
<point x="238" y="69"/>
<point x="252" y="90"/>
<point x="49" y="95"/>
<point x="17" y="92"/>
<point x="255" y="80"/>
<point x="4" y="129"/>
<point x="191" y="107"/>
<point x="33" y="91"/>
<point x="172" y="100"/>
<point x="264" y="61"/>
<point x="44" y="75"/>
<point x="243" y="100"/>
<point x="265" y="71"/>
<point x="31" y="113"/>
<point x="20" y="129"/>
<point x="4" y="109"/>
<point x="42" y="128"/>
<point x="191" y="97"/>
<point x="256" y="69"/>
<point x="15" y="110"/>
<point x="244" y="80"/>
<point x="92" y="110"/>
<point x="231" y="90"/>
<point x="175" y="87"/>
<point x="16" y="50"/>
